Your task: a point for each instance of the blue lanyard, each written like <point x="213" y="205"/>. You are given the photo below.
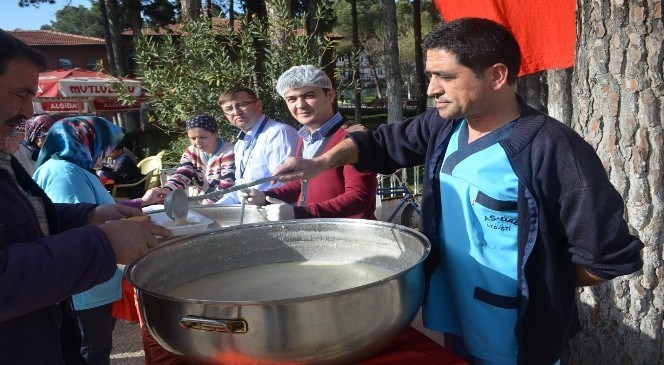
<point x="247" y="150"/>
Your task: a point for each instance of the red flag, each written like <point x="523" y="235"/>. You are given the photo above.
<point x="545" y="29"/>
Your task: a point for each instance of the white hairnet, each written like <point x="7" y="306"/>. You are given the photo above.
<point x="301" y="76"/>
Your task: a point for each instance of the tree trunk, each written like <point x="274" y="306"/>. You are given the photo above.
<point x="374" y="76"/>
<point x="276" y="10"/>
<point x="559" y="96"/>
<point x="256" y="7"/>
<point x="530" y="89"/>
<point x="391" y="61"/>
<point x="231" y="15"/>
<point x="190" y="9"/>
<point x="116" y="37"/>
<point x="420" y="77"/>
<point x="617" y="107"/>
<point x="134" y="12"/>
<point x="356" y="62"/>
<point x="311" y="17"/>
<point x="103" y="12"/>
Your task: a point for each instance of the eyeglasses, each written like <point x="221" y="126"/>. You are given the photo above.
<point x="239" y="106"/>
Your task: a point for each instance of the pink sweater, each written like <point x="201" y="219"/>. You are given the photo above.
<point x="215" y="173"/>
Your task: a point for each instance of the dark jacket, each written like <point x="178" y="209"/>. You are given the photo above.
<point x="569" y="214"/>
<point x="37" y="272"/>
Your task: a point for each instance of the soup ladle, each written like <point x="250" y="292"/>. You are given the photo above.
<point x="176" y="203"/>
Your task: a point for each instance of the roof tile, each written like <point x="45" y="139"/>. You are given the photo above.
<point x="52" y="38"/>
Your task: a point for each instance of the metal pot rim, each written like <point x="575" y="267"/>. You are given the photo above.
<point x="426" y="250"/>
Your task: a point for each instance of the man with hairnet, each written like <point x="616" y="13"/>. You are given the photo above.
<point x="342" y="192"/>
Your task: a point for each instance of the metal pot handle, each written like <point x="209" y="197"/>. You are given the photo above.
<point x="216" y="325"/>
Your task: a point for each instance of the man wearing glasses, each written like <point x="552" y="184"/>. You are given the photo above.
<point x="49" y="251"/>
<point x="262" y="144"/>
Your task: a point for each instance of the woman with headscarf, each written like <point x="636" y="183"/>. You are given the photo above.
<point x="65" y="171"/>
<point x="208" y="163"/>
<point x="36" y="129"/>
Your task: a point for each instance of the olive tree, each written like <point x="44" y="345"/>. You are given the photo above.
<point x="183" y="74"/>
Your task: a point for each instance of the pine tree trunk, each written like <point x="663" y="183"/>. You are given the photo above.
<point x="559" y="96"/>
<point x="190" y="9"/>
<point x="391" y="61"/>
<point x="112" y="64"/>
<point x="419" y="58"/>
<point x="116" y="37"/>
<point x="617" y="106"/>
<point x="530" y="89"/>
<point x="357" y="95"/>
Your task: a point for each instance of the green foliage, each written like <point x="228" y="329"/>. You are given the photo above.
<point x="78" y="20"/>
<point x="184" y="74"/>
<point x="35" y="3"/>
<point x="373" y="117"/>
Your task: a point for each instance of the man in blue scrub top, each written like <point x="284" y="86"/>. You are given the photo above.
<point x="518" y="207"/>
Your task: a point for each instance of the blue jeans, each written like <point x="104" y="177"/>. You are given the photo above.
<point x="96" y="325"/>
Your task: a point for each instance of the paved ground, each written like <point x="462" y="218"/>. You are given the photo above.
<point x="127" y="345"/>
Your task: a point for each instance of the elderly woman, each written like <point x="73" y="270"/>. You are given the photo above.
<point x="65" y="171"/>
<point x="36" y="129"/>
<point x="208" y="163"/>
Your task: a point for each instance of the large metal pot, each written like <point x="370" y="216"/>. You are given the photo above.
<point x="336" y="327"/>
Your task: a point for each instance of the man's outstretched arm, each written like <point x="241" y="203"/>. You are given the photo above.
<point x="295" y="168"/>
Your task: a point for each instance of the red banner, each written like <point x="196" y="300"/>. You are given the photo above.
<point x="545" y="30"/>
<point x="64" y="106"/>
<point x="112" y="104"/>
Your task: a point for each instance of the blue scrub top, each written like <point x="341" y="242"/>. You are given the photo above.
<point x="473" y="291"/>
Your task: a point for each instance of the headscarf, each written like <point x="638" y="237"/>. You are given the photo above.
<point x="38" y="126"/>
<point x="84" y="141"/>
<point x="203" y="121"/>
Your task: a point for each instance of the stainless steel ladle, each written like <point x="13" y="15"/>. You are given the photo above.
<point x="176" y="203"/>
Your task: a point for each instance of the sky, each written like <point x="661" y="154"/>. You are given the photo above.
<point x="30" y="18"/>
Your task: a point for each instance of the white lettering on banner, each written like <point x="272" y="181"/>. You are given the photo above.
<point x="60" y="106"/>
<point x="96" y="89"/>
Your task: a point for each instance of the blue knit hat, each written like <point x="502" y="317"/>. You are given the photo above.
<point x="203" y="121"/>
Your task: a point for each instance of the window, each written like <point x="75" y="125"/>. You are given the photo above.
<point x="91" y="63"/>
<point x="65" y="63"/>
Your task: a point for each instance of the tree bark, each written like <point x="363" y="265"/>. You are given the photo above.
<point x="312" y="7"/>
<point x="419" y="58"/>
<point x="530" y="89"/>
<point x="617" y="106"/>
<point x="116" y="37"/>
<point x="275" y="10"/>
<point x="559" y="96"/>
<point x="231" y="15"/>
<point x="356" y="62"/>
<point x="190" y="9"/>
<point x="374" y="76"/>
<point x="391" y="61"/>
<point x="112" y="65"/>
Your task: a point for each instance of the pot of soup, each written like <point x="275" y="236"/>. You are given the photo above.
<point x="314" y="291"/>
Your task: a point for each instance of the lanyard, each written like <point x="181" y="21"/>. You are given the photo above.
<point x="247" y="149"/>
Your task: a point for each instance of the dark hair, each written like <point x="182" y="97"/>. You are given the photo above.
<point x="12" y="48"/>
<point x="231" y="94"/>
<point x="477" y="44"/>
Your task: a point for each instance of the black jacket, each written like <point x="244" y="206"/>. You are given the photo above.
<point x="569" y="214"/>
